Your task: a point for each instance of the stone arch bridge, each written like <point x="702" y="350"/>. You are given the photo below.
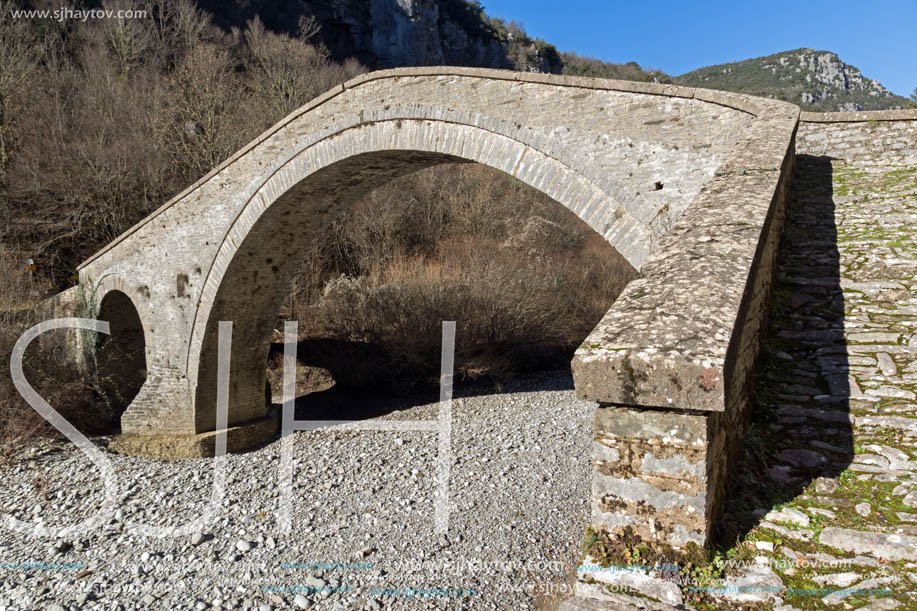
<point x="687" y="184"/>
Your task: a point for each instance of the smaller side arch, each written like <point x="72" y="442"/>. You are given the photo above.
<point x="96" y="291"/>
<point x="121" y="358"/>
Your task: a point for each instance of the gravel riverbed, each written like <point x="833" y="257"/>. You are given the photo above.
<point x="362" y="520"/>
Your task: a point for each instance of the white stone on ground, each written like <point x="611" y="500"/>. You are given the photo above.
<point x="512" y="516"/>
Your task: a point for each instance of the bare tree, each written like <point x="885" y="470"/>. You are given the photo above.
<point x="205" y="103"/>
<point x="128" y="39"/>
<point x="19" y="60"/>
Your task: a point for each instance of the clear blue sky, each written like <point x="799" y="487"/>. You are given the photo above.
<point x="879" y="37"/>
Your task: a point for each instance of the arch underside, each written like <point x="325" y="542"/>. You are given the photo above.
<point x="268" y="239"/>
<point x="257" y="278"/>
<point x="120" y="356"/>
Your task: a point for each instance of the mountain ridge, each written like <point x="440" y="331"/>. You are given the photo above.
<point x="393" y="33"/>
<point x="813" y="79"/>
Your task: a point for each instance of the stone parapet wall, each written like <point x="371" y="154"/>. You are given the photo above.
<point x="909" y="114"/>
<point x="634" y="377"/>
<point x="875" y="135"/>
<point x="677" y="337"/>
<point x="664" y="441"/>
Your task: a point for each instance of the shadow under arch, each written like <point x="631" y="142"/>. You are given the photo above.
<point x="260" y="251"/>
<point x="120" y="359"/>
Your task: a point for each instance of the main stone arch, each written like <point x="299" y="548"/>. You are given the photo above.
<point x="598" y="147"/>
<point x="687" y="184"/>
<point x="255" y="259"/>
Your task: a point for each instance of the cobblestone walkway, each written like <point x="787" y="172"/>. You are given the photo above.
<point x="835" y="422"/>
<point x="823" y="510"/>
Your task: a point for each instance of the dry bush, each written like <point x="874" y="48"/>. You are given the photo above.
<point x="523" y="278"/>
<point x="19" y="57"/>
<point x="578" y="65"/>
<point x="103" y="121"/>
<point x="204" y="105"/>
<point x="45" y="368"/>
<point x="128" y="40"/>
<point x="177" y="27"/>
<point x="288" y="72"/>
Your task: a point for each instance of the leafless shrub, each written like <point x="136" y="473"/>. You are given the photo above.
<point x="525" y="280"/>
<point x="102" y="121"/>
<point x="177" y="27"/>
<point x="62" y="386"/>
<point x="203" y="107"/>
<point x="40" y="485"/>
<point x="127" y="39"/>
<point x="286" y="72"/>
<point x="19" y="57"/>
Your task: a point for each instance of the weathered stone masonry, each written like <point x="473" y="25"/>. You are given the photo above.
<point x="670" y="363"/>
<point x="654" y="467"/>
<point x="858" y="135"/>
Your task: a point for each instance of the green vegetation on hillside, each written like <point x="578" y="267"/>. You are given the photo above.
<point x="577" y="65"/>
<point x="815" y="80"/>
<point x="912" y="101"/>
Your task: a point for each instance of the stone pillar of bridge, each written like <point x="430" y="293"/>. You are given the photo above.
<point x="658" y="472"/>
<point x="160" y="422"/>
<point x="671" y="365"/>
<point x="165" y="419"/>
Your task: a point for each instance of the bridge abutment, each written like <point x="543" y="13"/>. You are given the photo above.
<point x="175" y="446"/>
<point x="672" y="362"/>
<point x="164" y="421"/>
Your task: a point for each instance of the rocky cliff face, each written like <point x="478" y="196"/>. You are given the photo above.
<point x="829" y="76"/>
<point x="463" y="49"/>
<point x="816" y="80"/>
<point x="405" y="32"/>
<point x="390" y="33"/>
<point x="433" y="32"/>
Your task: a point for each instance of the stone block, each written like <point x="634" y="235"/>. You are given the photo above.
<point x="653" y="473"/>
